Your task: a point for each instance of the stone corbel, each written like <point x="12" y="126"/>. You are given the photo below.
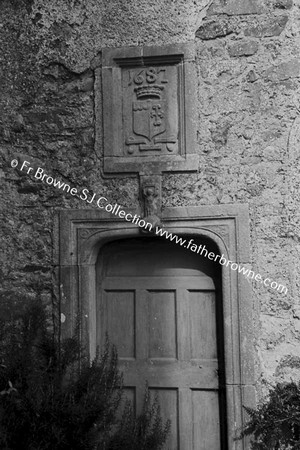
<point x="150" y="196"/>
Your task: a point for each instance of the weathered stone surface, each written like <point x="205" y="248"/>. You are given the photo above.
<point x="271" y="27"/>
<point x="214" y="29"/>
<point x="283" y="4"/>
<point x="243" y="48"/>
<point x="219" y="133"/>
<point x="236" y="7"/>
<point x="284" y="71"/>
<point x="74" y="33"/>
<point x="248" y="127"/>
<point x="252" y="76"/>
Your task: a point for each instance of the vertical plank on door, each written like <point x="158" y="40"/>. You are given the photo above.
<point x="168" y="402"/>
<point x="185" y="419"/>
<point x="120" y="321"/>
<point x="142" y="324"/>
<point x="183" y="321"/>
<point x="129" y="394"/>
<point x="206" y="423"/>
<point x="203" y="325"/>
<point x="142" y="343"/>
<point x="162" y="324"/>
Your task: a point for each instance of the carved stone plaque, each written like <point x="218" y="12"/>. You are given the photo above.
<point x="148" y="109"/>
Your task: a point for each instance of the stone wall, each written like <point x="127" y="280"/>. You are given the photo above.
<point x="248" y="137"/>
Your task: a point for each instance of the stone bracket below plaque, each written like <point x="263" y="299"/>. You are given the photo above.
<point x="149" y="109"/>
<point x="150" y="198"/>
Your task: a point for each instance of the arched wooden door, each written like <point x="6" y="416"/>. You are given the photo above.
<point x="161" y="307"/>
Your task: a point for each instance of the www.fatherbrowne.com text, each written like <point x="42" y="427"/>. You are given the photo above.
<point x="116" y="209"/>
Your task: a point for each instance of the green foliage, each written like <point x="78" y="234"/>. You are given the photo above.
<point x="275" y="424"/>
<point x="51" y="397"/>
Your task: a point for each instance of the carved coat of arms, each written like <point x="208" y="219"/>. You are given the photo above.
<point x="151" y="130"/>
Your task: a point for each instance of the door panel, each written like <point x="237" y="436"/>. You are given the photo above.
<point x="165" y="330"/>
<point x="162" y="324"/>
<point x="205" y="417"/>
<point x="169" y="404"/>
<point x="202" y="309"/>
<point x="118" y="318"/>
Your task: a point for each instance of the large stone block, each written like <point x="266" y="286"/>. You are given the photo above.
<point x="272" y="27"/>
<point x="283" y="71"/>
<point x="236" y="7"/>
<point x="243" y="48"/>
<point x="214" y="29"/>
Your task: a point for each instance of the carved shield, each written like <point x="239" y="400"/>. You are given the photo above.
<point x="149" y="118"/>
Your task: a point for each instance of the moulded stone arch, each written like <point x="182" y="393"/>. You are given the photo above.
<point x="83" y="233"/>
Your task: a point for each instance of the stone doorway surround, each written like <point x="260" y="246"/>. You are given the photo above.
<point x="84" y="232"/>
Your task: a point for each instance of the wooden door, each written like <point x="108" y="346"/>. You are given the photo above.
<point x="157" y="302"/>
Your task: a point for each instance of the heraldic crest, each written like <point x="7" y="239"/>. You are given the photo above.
<point x="150" y="128"/>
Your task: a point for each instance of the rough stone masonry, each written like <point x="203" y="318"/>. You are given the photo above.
<point x="248" y="137"/>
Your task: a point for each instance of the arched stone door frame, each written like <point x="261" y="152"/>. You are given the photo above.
<point x="84" y="232"/>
